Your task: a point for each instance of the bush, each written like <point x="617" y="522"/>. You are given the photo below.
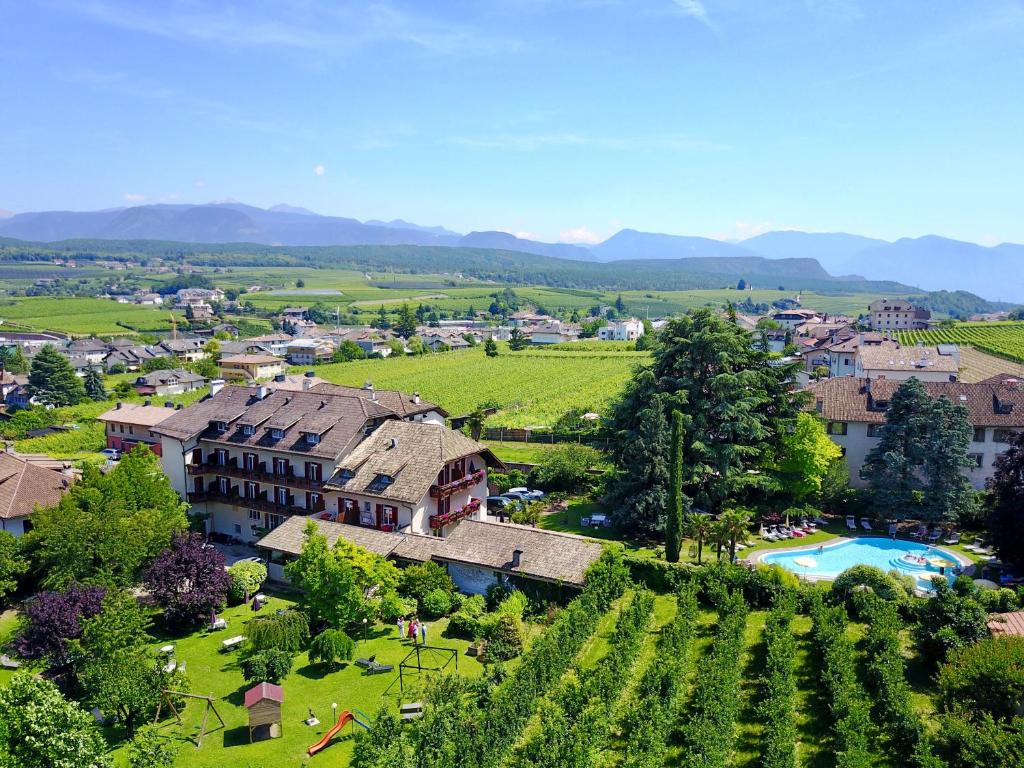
<point x="608" y="577"/>
<point x="417" y="581"/>
<point x="149" y="749"/>
<point x="566" y="467"/>
<point x="330" y="647"/>
<point x="505" y="640"/>
<point x="287" y="631"/>
<point x="270" y="666"/>
<point x="952" y="619"/>
<point x="883" y="584"/>
<point x="466" y="622"/>
<point x="1001" y="600"/>
<point x="393" y="607"/>
<point x="247" y="577"/>
<point x="986" y="677"/>
<point x="437" y="603"/>
<point x="497" y="592"/>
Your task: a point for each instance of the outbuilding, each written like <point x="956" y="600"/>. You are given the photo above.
<point x="264" y="704"/>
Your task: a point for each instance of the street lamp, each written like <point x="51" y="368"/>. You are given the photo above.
<point x="364" y="631"/>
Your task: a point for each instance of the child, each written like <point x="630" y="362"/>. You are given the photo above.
<point x="401" y="627"/>
<point x="423" y="633"/>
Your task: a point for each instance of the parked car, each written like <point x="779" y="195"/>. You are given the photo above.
<point x="111" y="454"/>
<point x="526" y="493"/>
<point x="522" y="498"/>
<point x="498" y="502"/>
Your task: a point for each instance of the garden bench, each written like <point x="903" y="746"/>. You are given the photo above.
<point x="219" y="624"/>
<point x="233" y="642"/>
<point x="411" y="711"/>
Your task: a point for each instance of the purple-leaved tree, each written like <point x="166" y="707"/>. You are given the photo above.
<point x="188" y="580"/>
<point x="53" y="618"/>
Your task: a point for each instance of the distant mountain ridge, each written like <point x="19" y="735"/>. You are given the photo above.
<point x="931" y="262"/>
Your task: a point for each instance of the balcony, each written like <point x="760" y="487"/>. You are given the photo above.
<point x="445" y="518"/>
<point x="262" y="501"/>
<point x="260" y="474"/>
<point x="440" y="491"/>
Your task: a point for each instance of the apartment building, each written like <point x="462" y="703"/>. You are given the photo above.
<point x="854" y="412"/>
<point x="128" y="425"/>
<point x="630" y="329"/>
<point x="896" y="314"/>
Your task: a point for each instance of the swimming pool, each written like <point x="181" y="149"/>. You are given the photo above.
<point x="908" y="557"/>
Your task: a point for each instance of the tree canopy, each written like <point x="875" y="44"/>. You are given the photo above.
<point x="1006" y="502"/>
<point x="52" y="380"/>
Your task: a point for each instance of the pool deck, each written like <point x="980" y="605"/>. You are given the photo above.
<point x="756" y="557"/>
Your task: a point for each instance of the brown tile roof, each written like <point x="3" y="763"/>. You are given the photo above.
<point x="546" y="555"/>
<point x="399" y="402"/>
<point x="1006" y="624"/>
<point x="890" y="356"/>
<point x="24" y="485"/>
<point x="137" y="415"/>
<point x="246" y="359"/>
<point x="848" y="399"/>
<point x="340" y="421"/>
<point x="291" y="534"/>
<point x="411" y="454"/>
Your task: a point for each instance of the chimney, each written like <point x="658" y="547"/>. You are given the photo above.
<point x="216" y="385"/>
<point x="279" y="378"/>
<point x="306" y="383"/>
<point x="393" y="443"/>
<point x="179" y="406"/>
<point x="1012" y="384"/>
<point x="147" y="402"/>
<point x="368" y="386"/>
<point x="416" y="398"/>
<point x="262" y="391"/>
<point x="168" y="404"/>
<point x="118" y="406"/>
<point x="517" y="555"/>
<point x="310" y="374"/>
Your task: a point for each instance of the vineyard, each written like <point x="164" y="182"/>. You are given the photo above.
<point x="1005" y="340"/>
<point x="533" y="387"/>
<point x="82" y="316"/>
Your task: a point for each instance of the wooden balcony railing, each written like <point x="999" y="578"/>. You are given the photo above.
<point x="442" y="519"/>
<point x="260" y="474"/>
<point x="262" y="501"/>
<point x="440" y="491"/>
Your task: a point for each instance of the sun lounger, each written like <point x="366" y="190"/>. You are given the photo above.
<point x="892" y="529"/>
<point x="851" y="523"/>
<point x="411" y="711"/>
<point x="954" y="539"/>
<point x="376" y="668"/>
<point x="866" y="524"/>
<point x="920" y="532"/>
<point x="934" y="536"/>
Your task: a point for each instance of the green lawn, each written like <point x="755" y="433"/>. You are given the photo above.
<point x="309" y="686"/>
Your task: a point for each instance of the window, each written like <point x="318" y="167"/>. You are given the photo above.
<point x="281" y="495"/>
<point x="837" y="427"/>
<point x="280" y="466"/>
<point x="312" y="500"/>
<point x="222" y="485"/>
<point x="312" y="438"/>
<point x="222" y="457"/>
<point x="255" y="514"/>
<point x="274" y="520"/>
<point x="875" y="430"/>
<point x="313" y="471"/>
<point x="221" y="426"/>
<point x="251" y="490"/>
<point x="977" y="459"/>
<point x="388" y="515"/>
<point x="979" y="435"/>
<point x="248" y="430"/>
<point x="238" y="529"/>
<point x="379" y="483"/>
<point x="249" y="460"/>
<point x="276" y="434"/>
<point x="1003" y="435"/>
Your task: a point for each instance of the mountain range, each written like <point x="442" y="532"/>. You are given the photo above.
<point x="931" y="262"/>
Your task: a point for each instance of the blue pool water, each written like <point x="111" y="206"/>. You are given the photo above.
<point x="887" y="554"/>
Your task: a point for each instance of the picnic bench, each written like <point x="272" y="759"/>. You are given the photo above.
<point x="170" y="666"/>
<point x="232" y="642"/>
<point x="411" y="711"/>
<point x="219" y="624"/>
<point x="372" y="666"/>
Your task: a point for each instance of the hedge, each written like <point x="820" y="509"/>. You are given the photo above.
<point x="777" y="709"/>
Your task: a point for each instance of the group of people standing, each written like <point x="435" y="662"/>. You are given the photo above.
<point x="417" y="630"/>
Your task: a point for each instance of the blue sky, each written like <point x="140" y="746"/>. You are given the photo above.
<point x="558" y="119"/>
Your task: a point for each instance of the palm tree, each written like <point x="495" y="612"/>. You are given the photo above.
<point x="735" y="524"/>
<point x="719" y="536"/>
<point x="699" y="527"/>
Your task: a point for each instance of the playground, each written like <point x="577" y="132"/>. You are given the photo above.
<point x="309" y="688"/>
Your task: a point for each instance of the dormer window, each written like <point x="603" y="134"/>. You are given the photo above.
<point x="312" y="438"/>
<point x="276" y="434"/>
<point x="248" y="430"/>
<point x="220" y="426"/>
<point x="379" y="483"/>
<point x="345" y="475"/>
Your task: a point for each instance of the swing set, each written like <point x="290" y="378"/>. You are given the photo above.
<point x="167" y="697"/>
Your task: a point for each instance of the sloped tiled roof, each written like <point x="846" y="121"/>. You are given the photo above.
<point x="24" y="485"/>
<point x="410" y="454"/>
<point x="263" y="691"/>
<point x="399" y="402"/>
<point x="291" y="535"/>
<point x="848" y="399"/>
<point x="137" y="415"/>
<point x="249" y="359"/>
<point x="891" y="356"/>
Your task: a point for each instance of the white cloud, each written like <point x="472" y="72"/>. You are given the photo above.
<point x="695" y="10"/>
<point x="199" y="183"/>
<point x="133" y="197"/>
<point x="580" y="235"/>
<point x="319" y="170"/>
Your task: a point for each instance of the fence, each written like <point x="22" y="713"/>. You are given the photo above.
<point x="520" y="435"/>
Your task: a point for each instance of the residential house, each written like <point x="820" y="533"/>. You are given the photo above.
<point x="854" y="412"/>
<point x="132" y="357"/>
<point x="245" y="347"/>
<point x="554" y="333"/>
<point x="436" y="340"/>
<point x="309" y="351"/>
<point x="275" y="343"/>
<point x="188" y="350"/>
<point x="629" y="329"/>
<point x="794" y="318"/>
<point x="374" y="342"/>
<point x="476" y="554"/>
<point x="90" y="351"/>
<point x="30" y="343"/>
<point x="294" y="314"/>
<point x="407" y="407"/>
<point x="149" y="299"/>
<point x="171" y="382"/>
<point x="896" y="314"/>
<point x="524" y="319"/>
<point x="295" y="382"/>
<point x="17" y="393"/>
<point x="197" y="296"/>
<point x="251" y="367"/>
<point x="25" y="486"/>
<point x="890" y="360"/>
<point x="128" y="425"/>
<point x="407" y="476"/>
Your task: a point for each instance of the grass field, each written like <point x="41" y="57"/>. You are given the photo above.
<point x="1004" y="339"/>
<point x="976" y="365"/>
<point x="81" y="316"/>
<point x="532" y="387"/>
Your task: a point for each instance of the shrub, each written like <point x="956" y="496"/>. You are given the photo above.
<point x="777" y="709"/>
<point x="608" y="577"/>
<point x="393" y="606"/>
<point x="247" y="577"/>
<point x="149" y="749"/>
<point x="286" y="631"/>
<point x="566" y="467"/>
<point x="953" y="618"/>
<point x="986" y="677"/>
<point x="497" y="592"/>
<point x="330" y="647"/>
<point x="883" y="584"/>
<point x="270" y="666"/>
<point x="505" y="640"/>
<point x="466" y="622"/>
<point x="417" y="581"/>
<point x="1001" y="600"/>
<point x="437" y="602"/>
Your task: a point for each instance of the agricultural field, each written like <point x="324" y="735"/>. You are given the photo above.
<point x="531" y="387"/>
<point x="82" y="316"/>
<point x="1002" y="339"/>
<point x="976" y="365"/>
